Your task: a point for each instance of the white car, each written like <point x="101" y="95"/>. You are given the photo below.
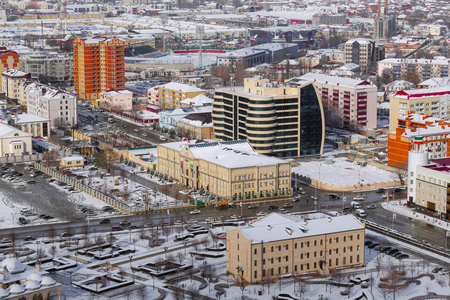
<point x="260" y="214"/>
<point x="235" y="217"/>
<point x="195" y="211"/>
<point x="210" y="219"/>
<point x="162" y="138"/>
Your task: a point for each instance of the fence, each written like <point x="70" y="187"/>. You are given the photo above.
<point x="361" y="149"/>
<point x="32" y="157"/>
<point x="123" y="207"/>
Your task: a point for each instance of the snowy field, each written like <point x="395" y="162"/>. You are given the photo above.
<point x="339" y="171"/>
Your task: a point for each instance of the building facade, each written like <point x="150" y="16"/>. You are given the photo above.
<point x="8" y="60"/>
<point x="170" y="95"/>
<point x="363" y="52"/>
<point x="36" y="125"/>
<point x="117" y="100"/>
<point x="14" y="142"/>
<point x="356" y="100"/>
<point x="196" y="126"/>
<point x="99" y="65"/>
<point x="383" y="27"/>
<point x="278" y="245"/>
<point x="435" y="133"/>
<point x="279" y="120"/>
<point x="48" y="67"/>
<point x="57" y="105"/>
<point x="231" y="170"/>
<point x="432" y="101"/>
<point x="425" y="68"/>
<point x="11" y="80"/>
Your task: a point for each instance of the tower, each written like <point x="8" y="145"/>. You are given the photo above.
<point x="416" y="157"/>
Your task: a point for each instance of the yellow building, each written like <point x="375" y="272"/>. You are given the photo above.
<point x="71" y="162"/>
<point x="428" y="102"/>
<point x="171" y="94"/>
<point x="231" y="170"/>
<point x="277" y="245"/>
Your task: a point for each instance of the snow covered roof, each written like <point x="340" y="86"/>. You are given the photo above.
<point x="181" y="87"/>
<point x="113" y="93"/>
<point x="333" y="80"/>
<point x="416" y="61"/>
<point x="229" y="154"/>
<point x="199" y="100"/>
<point x="360" y="41"/>
<point x="15" y="73"/>
<point x="198" y="120"/>
<point x="29" y="118"/>
<point x="6" y="129"/>
<point x="72" y="158"/>
<point x="436" y="82"/>
<point x="419" y="93"/>
<point x="274" y="227"/>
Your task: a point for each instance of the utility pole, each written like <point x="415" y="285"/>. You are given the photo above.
<point x="164" y="22"/>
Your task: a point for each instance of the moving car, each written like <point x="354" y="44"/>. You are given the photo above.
<point x="125" y="222"/>
<point x="371" y="206"/>
<point x="334" y="196"/>
<point x="286" y="205"/>
<point x="105" y="221"/>
<point x="272" y="207"/>
<point x="162" y="138"/>
<point x="195" y="211"/>
<point x="253" y="205"/>
<point x="260" y="214"/>
<point x="116" y="228"/>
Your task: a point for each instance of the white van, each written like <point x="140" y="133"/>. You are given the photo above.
<point x="355" y="204"/>
<point x="361" y="213"/>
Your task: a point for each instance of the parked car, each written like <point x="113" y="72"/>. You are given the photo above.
<point x="116" y="228"/>
<point x="283" y="211"/>
<point x="254" y="205"/>
<point x="381" y="190"/>
<point x="105" y="221"/>
<point x="273" y="207"/>
<point x="235" y="217"/>
<point x="371" y="206"/>
<point x="334" y="196"/>
<point x="443" y="272"/>
<point x="21" y="187"/>
<point x="29" y="238"/>
<point x="162" y="138"/>
<point x="125" y="223"/>
<point x="385" y="249"/>
<point x="6" y="240"/>
<point x="436" y="270"/>
<point x="195" y="211"/>
<point x="210" y="219"/>
<point x="260" y="214"/>
<point x="392" y="251"/>
<point x="287" y="205"/>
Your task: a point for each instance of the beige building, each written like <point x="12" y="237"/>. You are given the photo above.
<point x="36" y="125"/>
<point x="71" y="162"/>
<point x="432" y="188"/>
<point x="14" y="142"/>
<point x="11" y="80"/>
<point x="433" y="101"/>
<point x="116" y="100"/>
<point x="171" y="95"/>
<point x="196" y="126"/>
<point x="363" y="52"/>
<point x="231" y="170"/>
<point x="276" y="245"/>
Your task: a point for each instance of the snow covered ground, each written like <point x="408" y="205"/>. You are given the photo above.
<point x="338" y="171"/>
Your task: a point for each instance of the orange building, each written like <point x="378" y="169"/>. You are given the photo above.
<point x="98" y="65"/>
<point x="435" y="133"/>
<point x="8" y="60"/>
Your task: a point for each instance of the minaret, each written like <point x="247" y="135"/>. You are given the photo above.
<point x="416" y="157"/>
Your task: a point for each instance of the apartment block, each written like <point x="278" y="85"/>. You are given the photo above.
<point x="98" y="66"/>
<point x="48" y="67"/>
<point x="57" y="105"/>
<point x="231" y="170"/>
<point x="278" y="245"/>
<point x="433" y="188"/>
<point x="435" y="133"/>
<point x="170" y="95"/>
<point x="279" y="120"/>
<point x="11" y="80"/>
<point x="355" y="99"/>
<point x="383" y="27"/>
<point x="425" y="68"/>
<point x="432" y="101"/>
<point x="363" y="52"/>
<point x="116" y="100"/>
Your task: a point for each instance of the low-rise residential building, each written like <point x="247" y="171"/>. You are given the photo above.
<point x="11" y="79"/>
<point x="434" y="82"/>
<point x="55" y="104"/>
<point x="71" y="162"/>
<point x="14" y="142"/>
<point x="116" y="100"/>
<point x="48" y="67"/>
<point x="231" y="170"/>
<point x="425" y="68"/>
<point x="278" y="245"/>
<point x="355" y="99"/>
<point x="169" y="119"/>
<point x="435" y="133"/>
<point x="279" y="120"/>
<point x="432" y="101"/>
<point x="196" y="126"/>
<point x="8" y="60"/>
<point x="170" y="95"/>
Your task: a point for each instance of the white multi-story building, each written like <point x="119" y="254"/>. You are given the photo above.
<point x="425" y="68"/>
<point x="11" y="80"/>
<point x="57" y="105"/>
<point x="355" y="99"/>
<point x="48" y="66"/>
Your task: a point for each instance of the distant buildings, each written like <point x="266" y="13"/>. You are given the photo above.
<point x="49" y="67"/>
<point x="435" y="133"/>
<point x="278" y="120"/>
<point x="425" y="68"/>
<point x="383" y="27"/>
<point x="171" y="95"/>
<point x="231" y="170"/>
<point x="278" y="245"/>
<point x="363" y="52"/>
<point x="98" y="66"/>
<point x="432" y="101"/>
<point x="57" y="105"/>
<point x="356" y="100"/>
<point x="11" y="79"/>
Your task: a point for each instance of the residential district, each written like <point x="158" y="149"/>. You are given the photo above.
<point x="232" y="149"/>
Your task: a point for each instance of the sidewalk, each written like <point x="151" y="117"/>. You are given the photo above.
<point x="399" y="207"/>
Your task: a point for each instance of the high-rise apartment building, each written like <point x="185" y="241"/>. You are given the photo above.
<point x="281" y="120"/>
<point x="98" y="65"/>
<point x="363" y="52"/>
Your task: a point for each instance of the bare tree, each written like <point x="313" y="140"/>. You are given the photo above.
<point x="51" y="233"/>
<point x="180" y="257"/>
<point x="53" y="251"/>
<point x="85" y="230"/>
<point x="177" y="292"/>
<point x="394" y="280"/>
<point x="167" y="231"/>
<point x="141" y="292"/>
<point x="110" y="238"/>
<point x="40" y="253"/>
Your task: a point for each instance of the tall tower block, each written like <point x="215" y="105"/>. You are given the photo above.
<point x="416" y="157"/>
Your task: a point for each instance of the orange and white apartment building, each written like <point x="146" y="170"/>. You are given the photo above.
<point x="435" y="133"/>
<point x="99" y="64"/>
<point x="8" y="60"/>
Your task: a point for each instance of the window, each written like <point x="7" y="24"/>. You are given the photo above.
<point x="256" y="274"/>
<point x="357" y="236"/>
<point x="315" y="243"/>
<point x="295" y="245"/>
<point x="238" y="258"/>
<point x="255" y="263"/>
<point x="256" y="251"/>
<point x="272" y="249"/>
<point x="287" y="247"/>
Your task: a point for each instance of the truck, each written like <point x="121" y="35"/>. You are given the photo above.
<point x="361" y="213"/>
